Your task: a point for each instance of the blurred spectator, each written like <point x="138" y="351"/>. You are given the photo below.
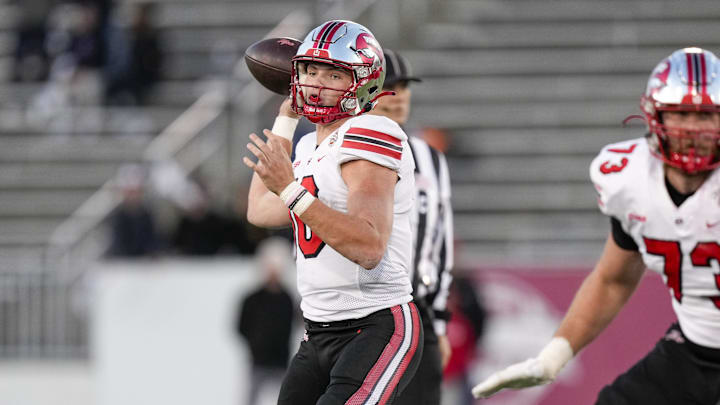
<point x="74" y="48"/>
<point x="31" y="59"/>
<point x="203" y="231"/>
<point x="435" y="137"/>
<point x="265" y="320"/>
<point x="465" y="329"/>
<point x="134" y="60"/>
<point x="133" y="228"/>
<point x="86" y="39"/>
<point x="200" y="231"/>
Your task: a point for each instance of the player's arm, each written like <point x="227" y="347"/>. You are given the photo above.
<point x="361" y="234"/>
<point x="599" y="299"/>
<point x="601" y="296"/>
<point x="265" y="208"/>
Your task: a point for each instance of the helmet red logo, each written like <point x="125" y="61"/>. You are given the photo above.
<point x="660" y="76"/>
<point x="367" y="48"/>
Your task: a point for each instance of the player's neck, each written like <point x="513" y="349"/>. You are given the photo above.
<point x="685" y="183"/>
<point x="325" y="130"/>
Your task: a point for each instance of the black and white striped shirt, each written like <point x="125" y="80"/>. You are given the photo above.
<point x="432" y="222"/>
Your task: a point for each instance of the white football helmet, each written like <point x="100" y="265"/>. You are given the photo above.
<point x="350" y="46"/>
<point x="687" y="80"/>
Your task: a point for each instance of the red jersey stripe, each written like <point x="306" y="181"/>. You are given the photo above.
<point x="372" y="148"/>
<point x="374" y="134"/>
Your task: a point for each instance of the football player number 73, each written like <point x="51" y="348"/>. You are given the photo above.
<point x="607" y="167"/>
<point x="700" y="256"/>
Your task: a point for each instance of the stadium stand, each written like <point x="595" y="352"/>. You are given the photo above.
<point x="529" y="92"/>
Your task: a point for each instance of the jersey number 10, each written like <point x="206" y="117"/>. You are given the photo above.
<point x="309" y="244"/>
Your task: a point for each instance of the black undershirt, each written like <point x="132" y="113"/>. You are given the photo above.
<point x="626" y="241"/>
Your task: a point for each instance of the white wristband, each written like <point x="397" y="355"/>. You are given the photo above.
<point x="302" y="203"/>
<point x="555" y="355"/>
<point x="284" y="127"/>
<point x="296" y="198"/>
<point x="290" y="192"/>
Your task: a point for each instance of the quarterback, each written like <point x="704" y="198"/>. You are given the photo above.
<point x="348" y="196"/>
<point x="662" y="194"/>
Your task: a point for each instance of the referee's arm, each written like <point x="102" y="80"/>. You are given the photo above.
<point x="446" y="263"/>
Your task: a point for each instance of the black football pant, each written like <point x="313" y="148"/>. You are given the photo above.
<point x="675" y="372"/>
<point x="360" y="361"/>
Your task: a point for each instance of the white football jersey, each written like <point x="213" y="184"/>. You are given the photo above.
<point x="332" y="287"/>
<point x="680" y="243"/>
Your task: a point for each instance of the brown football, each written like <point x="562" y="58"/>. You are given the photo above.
<point x="269" y="61"/>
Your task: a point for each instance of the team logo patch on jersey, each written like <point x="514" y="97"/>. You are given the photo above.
<point x="636" y="217"/>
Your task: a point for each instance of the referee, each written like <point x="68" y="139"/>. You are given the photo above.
<point x="433" y="238"/>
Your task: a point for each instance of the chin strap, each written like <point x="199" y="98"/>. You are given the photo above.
<point x="383" y="94"/>
<point x="325" y="119"/>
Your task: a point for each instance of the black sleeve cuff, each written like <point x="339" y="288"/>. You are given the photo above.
<point x="622" y="239"/>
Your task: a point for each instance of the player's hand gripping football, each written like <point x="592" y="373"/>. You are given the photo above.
<point x="273" y="164"/>
<point x="531" y="372"/>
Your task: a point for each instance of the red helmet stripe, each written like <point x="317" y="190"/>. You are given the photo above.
<point x="321" y="33"/>
<point x="691" y="69"/>
<point x="330" y="35"/>
<point x="703" y="77"/>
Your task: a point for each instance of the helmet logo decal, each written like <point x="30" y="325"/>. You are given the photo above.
<point x="659" y="78"/>
<point x="368" y="49"/>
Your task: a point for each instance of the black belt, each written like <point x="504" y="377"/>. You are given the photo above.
<point x="335" y="324"/>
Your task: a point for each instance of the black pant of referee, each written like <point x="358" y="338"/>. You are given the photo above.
<point x="424" y="388"/>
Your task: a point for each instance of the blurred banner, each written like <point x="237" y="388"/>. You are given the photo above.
<point x="163" y="331"/>
<point x="524" y="309"/>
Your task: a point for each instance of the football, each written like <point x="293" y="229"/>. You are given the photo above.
<point x="269" y="61"/>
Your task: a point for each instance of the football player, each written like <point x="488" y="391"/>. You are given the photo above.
<point x="349" y="196"/>
<point x="433" y="237"/>
<point x="662" y="194"/>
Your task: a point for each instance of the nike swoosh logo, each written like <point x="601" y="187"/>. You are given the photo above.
<point x="321" y="158"/>
<point x="711" y="224"/>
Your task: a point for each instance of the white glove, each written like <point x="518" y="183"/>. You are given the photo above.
<point x="531" y="372"/>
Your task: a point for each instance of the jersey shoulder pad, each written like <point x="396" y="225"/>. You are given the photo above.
<point x="374" y="138"/>
<point x="615" y="171"/>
